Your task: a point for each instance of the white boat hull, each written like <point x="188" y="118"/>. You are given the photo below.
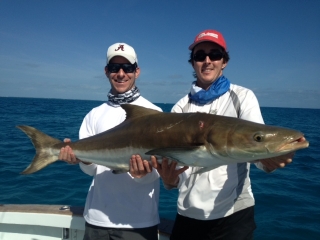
<point x="50" y="222"/>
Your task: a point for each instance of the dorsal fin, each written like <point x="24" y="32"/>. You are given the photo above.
<point x="134" y="111"/>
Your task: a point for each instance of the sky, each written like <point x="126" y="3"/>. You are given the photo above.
<point x="57" y="49"/>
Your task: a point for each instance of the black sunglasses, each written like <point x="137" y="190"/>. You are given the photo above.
<point x="126" y="67"/>
<point x="200" y="56"/>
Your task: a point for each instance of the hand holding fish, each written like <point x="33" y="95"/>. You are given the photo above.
<point x="168" y="171"/>
<point x="273" y="163"/>
<point x="66" y="154"/>
<point x="138" y="167"/>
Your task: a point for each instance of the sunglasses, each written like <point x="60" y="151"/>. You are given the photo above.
<point x="126" y="67"/>
<point x="200" y="56"/>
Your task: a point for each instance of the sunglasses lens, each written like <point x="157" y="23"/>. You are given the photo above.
<point x="214" y="56"/>
<point x="113" y="68"/>
<point x="126" y="67"/>
<point x="201" y="56"/>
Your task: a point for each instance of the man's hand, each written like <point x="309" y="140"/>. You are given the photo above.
<point x="138" y="167"/>
<point x="272" y="164"/>
<point x="66" y="154"/>
<point x="168" y="171"/>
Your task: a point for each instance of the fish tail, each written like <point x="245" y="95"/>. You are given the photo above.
<point x="42" y="143"/>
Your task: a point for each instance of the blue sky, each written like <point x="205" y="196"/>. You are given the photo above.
<point x="57" y="49"/>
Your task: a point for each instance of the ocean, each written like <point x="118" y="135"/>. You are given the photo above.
<point x="287" y="200"/>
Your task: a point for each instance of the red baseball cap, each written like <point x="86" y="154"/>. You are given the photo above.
<point x="209" y="36"/>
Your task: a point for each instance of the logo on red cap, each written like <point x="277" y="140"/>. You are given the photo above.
<point x="209" y="36"/>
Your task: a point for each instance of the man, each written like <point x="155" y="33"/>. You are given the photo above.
<point x="118" y="206"/>
<point x="217" y="204"/>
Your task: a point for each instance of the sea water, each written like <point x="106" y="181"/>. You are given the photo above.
<point x="287" y="200"/>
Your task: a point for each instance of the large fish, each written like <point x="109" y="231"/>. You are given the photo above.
<point x="191" y="139"/>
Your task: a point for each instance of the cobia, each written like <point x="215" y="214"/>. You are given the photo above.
<point x="191" y="139"/>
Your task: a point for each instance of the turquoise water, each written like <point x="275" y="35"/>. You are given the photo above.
<point x="287" y="201"/>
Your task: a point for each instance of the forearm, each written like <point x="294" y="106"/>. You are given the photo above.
<point x="262" y="167"/>
<point x="171" y="185"/>
<point x="89" y="169"/>
<point x="178" y="181"/>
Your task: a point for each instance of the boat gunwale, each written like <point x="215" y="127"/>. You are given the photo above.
<point x="164" y="227"/>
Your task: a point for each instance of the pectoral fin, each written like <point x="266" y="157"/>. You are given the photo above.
<point x="188" y="156"/>
<point x="205" y="169"/>
<point x="120" y="170"/>
<point x="178" y="154"/>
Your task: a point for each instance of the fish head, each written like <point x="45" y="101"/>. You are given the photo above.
<point x="244" y="140"/>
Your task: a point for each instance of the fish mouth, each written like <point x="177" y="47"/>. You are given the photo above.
<point x="298" y="143"/>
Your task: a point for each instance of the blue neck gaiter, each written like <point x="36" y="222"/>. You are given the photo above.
<point x="217" y="88"/>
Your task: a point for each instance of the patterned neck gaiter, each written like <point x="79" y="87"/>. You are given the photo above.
<point x="122" y="98"/>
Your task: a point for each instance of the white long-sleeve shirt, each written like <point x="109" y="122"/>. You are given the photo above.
<point x="118" y="200"/>
<point x="222" y="191"/>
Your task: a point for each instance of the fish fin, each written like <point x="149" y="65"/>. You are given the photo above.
<point x="173" y="152"/>
<point x="205" y="169"/>
<point x="178" y="153"/>
<point x="119" y="171"/>
<point x="41" y="142"/>
<point x="160" y="151"/>
<point x="134" y="111"/>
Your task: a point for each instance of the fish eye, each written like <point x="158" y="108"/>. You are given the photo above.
<point x="258" y="137"/>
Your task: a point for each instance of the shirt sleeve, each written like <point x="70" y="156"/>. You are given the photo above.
<point x="250" y="110"/>
<point x="178" y="107"/>
<point x="87" y="130"/>
<point x="249" y="107"/>
<point x="88" y="169"/>
<point x="87" y="126"/>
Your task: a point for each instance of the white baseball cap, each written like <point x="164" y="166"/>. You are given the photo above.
<point x="123" y="50"/>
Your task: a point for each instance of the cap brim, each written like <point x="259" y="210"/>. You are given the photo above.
<point x="205" y="40"/>
<point x="128" y="57"/>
